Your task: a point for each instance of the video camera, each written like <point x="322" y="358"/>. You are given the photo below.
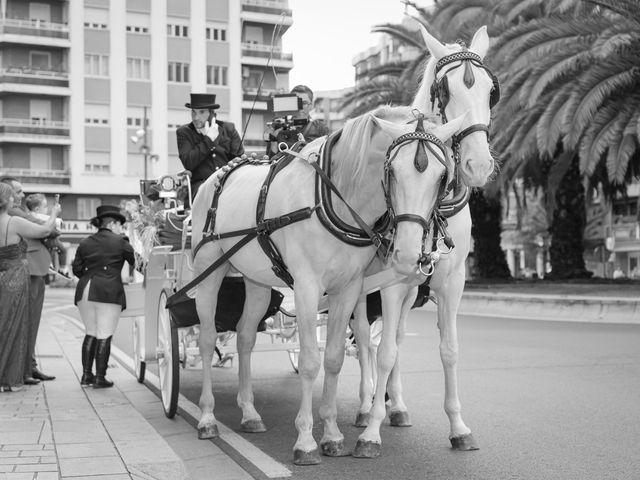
<point x="284" y="128"/>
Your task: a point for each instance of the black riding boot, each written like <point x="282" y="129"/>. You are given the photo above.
<point x="88" y="355"/>
<point x="103" y="351"/>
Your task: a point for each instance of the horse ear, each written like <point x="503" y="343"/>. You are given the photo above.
<point x="480" y="42"/>
<point x="436" y="48"/>
<point x="446" y="131"/>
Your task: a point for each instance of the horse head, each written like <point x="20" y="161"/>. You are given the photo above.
<point x="417" y="174"/>
<point x="456" y="81"/>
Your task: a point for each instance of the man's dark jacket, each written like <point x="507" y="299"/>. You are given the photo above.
<point x="100" y="258"/>
<point x="202" y="156"/>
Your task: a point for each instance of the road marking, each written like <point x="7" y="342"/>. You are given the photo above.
<point x="266" y="464"/>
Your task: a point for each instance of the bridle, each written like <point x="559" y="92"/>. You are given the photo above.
<point x="440" y="91"/>
<point x="426" y="141"/>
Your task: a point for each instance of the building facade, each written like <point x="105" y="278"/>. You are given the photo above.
<point x="80" y="78"/>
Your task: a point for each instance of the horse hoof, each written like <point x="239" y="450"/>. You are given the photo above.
<point x="334" y="448"/>
<point x="464" y="443"/>
<point x="301" y="457"/>
<point x="367" y="449"/>
<point x="253" y="426"/>
<point x="362" y="420"/>
<point x="400" y="419"/>
<point x="208" y="431"/>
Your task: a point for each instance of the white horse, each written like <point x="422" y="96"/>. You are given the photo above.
<point x="460" y="84"/>
<point x="317" y="260"/>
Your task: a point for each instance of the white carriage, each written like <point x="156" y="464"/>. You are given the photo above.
<point x="170" y="339"/>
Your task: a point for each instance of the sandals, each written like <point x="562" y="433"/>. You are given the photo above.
<point x="11" y="388"/>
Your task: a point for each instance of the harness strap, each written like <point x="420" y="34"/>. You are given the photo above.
<point x="267" y="226"/>
<point x="376" y="238"/>
<point x="211" y="268"/>
<point x="268" y="247"/>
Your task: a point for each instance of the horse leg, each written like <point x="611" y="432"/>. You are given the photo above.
<point x="255" y="305"/>
<point x="369" y="443"/>
<point x="306" y="294"/>
<point x="448" y="302"/>
<point x="206" y="301"/>
<point x="398" y="412"/>
<point x="360" y="326"/>
<point x="340" y="308"/>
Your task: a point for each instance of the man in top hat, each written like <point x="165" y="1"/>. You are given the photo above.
<point x="206" y="144"/>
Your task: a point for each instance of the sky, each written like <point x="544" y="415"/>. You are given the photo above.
<point x="327" y="34"/>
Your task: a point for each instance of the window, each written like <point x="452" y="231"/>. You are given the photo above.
<point x="177" y="30"/>
<point x="96" y="121"/>
<point x="96" y="65"/>
<point x="87" y="207"/>
<point x="178" y="72"/>
<point x="97" y="162"/>
<point x="95" y="26"/>
<point x="40" y="158"/>
<point x="138" y="68"/>
<point x="216" y="75"/>
<point x="216" y="34"/>
<point x="134" y="122"/>
<point x="136" y="29"/>
<point x="40" y="60"/>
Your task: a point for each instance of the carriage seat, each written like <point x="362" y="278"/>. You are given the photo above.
<point x="170" y="231"/>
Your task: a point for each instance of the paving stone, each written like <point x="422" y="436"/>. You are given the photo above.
<point x="41" y="467"/>
<point x="86" y="450"/>
<point x="91" y="466"/>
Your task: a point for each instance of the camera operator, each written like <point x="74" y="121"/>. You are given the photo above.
<point x="292" y="128"/>
<point x="314" y="128"/>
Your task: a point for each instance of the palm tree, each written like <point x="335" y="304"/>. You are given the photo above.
<point x="571" y="111"/>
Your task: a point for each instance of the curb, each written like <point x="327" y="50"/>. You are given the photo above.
<point x="569" y="308"/>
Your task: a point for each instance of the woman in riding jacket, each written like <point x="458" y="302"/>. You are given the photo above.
<point x="100" y="294"/>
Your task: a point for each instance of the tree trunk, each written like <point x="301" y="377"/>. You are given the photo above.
<point x="567" y="227"/>
<point x="486" y="214"/>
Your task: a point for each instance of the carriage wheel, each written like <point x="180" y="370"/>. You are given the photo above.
<point x="139" y="363"/>
<point x="168" y="353"/>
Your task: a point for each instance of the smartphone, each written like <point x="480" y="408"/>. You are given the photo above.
<point x="56" y="199"/>
<point x="212" y="118"/>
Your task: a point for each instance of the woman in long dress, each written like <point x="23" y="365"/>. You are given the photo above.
<point x="14" y="289"/>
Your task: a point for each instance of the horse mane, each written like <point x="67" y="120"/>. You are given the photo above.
<point x="354" y="148"/>
<point x="422" y="98"/>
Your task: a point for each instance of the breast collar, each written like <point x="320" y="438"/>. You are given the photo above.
<point x="326" y="213"/>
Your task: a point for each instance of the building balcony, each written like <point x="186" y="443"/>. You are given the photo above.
<point x="25" y="78"/>
<point x="259" y="54"/>
<point x="19" y="130"/>
<point x="29" y="176"/>
<point x="267" y="11"/>
<point x="34" y="32"/>
<point x="251" y="94"/>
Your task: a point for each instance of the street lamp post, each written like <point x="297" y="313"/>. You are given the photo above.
<point x="141" y="134"/>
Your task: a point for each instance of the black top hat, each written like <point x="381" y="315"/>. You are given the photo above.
<point x="202" y="100"/>
<point x="108" y="211"/>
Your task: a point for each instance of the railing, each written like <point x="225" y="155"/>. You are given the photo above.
<point x="32" y="123"/>
<point x="30" y="173"/>
<point x="29" y="71"/>
<point x="251" y="94"/>
<point x="34" y="27"/>
<point x="264" y="51"/>
<point x="266" y="6"/>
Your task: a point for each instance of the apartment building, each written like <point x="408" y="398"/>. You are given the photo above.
<point x="80" y="78"/>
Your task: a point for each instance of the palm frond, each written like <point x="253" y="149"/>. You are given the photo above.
<point x="596" y="86"/>
<point x="401" y="33"/>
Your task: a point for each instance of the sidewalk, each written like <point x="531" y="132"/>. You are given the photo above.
<point x="59" y="430"/>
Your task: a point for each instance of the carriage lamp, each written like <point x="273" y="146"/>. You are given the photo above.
<point x="168" y="183"/>
<point x="167" y="186"/>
